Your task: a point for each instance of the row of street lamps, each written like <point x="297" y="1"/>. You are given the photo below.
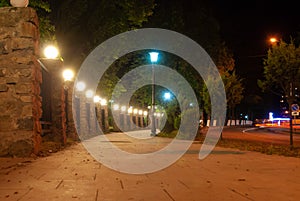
<point x="51" y="52"/>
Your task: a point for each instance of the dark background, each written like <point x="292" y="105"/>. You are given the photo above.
<point x="246" y="27"/>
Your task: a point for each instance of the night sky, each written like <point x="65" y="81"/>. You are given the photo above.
<point x="246" y="27"/>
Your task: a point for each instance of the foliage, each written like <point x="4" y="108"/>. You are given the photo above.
<point x="204" y="30"/>
<point x="234" y="91"/>
<point x="281" y="68"/>
<point x="95" y="21"/>
<point x="177" y="122"/>
<point x="4" y="3"/>
<point x="223" y="58"/>
<point x="233" y="86"/>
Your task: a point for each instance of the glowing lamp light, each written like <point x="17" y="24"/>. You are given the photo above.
<point x="89" y="93"/>
<point x="51" y="52"/>
<point x="97" y="99"/>
<point x="271" y="116"/>
<point x="80" y="86"/>
<point x="167" y="96"/>
<point x="103" y="102"/>
<point x="140" y="112"/>
<point x="68" y="75"/>
<point x="123" y="108"/>
<point x="130" y="110"/>
<point x="116" y="107"/>
<point x="273" y="40"/>
<point x="145" y="113"/>
<point x="153" y="56"/>
<point x="135" y="111"/>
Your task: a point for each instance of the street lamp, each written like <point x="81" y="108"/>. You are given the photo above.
<point x="167" y="96"/>
<point x="97" y="99"/>
<point x="153" y="58"/>
<point x="68" y="75"/>
<point x="273" y="40"/>
<point x="103" y="102"/>
<point x="89" y="94"/>
<point x="51" y="52"/>
<point x="80" y="86"/>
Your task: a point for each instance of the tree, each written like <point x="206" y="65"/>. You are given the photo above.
<point x="234" y="92"/>
<point x="281" y="68"/>
<point x="282" y="72"/>
<point x="234" y="88"/>
<point x="81" y="25"/>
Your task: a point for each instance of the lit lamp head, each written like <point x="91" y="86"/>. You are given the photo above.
<point x="167" y="96"/>
<point x="68" y="75"/>
<point x="97" y="99"/>
<point x="80" y="86"/>
<point x="273" y="40"/>
<point x="103" y="102"/>
<point x="89" y="94"/>
<point x="116" y="107"/>
<point x="51" y="52"/>
<point x="153" y="56"/>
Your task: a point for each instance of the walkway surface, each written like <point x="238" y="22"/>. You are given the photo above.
<point x="226" y="174"/>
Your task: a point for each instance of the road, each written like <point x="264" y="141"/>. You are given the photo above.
<point x="269" y="135"/>
<point x="226" y="174"/>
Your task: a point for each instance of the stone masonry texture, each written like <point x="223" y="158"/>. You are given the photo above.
<point x="20" y="79"/>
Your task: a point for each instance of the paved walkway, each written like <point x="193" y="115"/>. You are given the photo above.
<point x="226" y="174"/>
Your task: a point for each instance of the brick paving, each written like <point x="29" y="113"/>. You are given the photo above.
<point x="226" y="174"/>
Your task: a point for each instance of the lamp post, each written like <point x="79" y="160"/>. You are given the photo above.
<point x="68" y="77"/>
<point x="153" y="58"/>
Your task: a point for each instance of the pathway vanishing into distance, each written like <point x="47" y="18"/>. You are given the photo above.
<point x="226" y="174"/>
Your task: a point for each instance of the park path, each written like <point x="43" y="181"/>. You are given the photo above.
<point x="226" y="174"/>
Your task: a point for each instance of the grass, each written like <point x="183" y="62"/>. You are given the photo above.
<point x="262" y="147"/>
<point x="244" y="145"/>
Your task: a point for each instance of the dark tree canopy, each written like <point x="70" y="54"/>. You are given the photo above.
<point x="281" y="68"/>
<point x="81" y="25"/>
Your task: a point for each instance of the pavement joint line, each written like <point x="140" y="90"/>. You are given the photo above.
<point x="183" y="184"/>
<point x="170" y="196"/>
<point x="58" y="185"/>
<point x="234" y="191"/>
<point x="122" y="186"/>
<point x="25" y="194"/>
<point x="97" y="192"/>
<point x="95" y="176"/>
<point x="38" y="178"/>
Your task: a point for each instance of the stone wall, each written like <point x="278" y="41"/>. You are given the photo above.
<point x="20" y="78"/>
<point x="58" y="100"/>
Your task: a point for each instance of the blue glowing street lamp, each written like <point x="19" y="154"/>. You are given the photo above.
<point x="153" y="59"/>
<point x="167" y="96"/>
